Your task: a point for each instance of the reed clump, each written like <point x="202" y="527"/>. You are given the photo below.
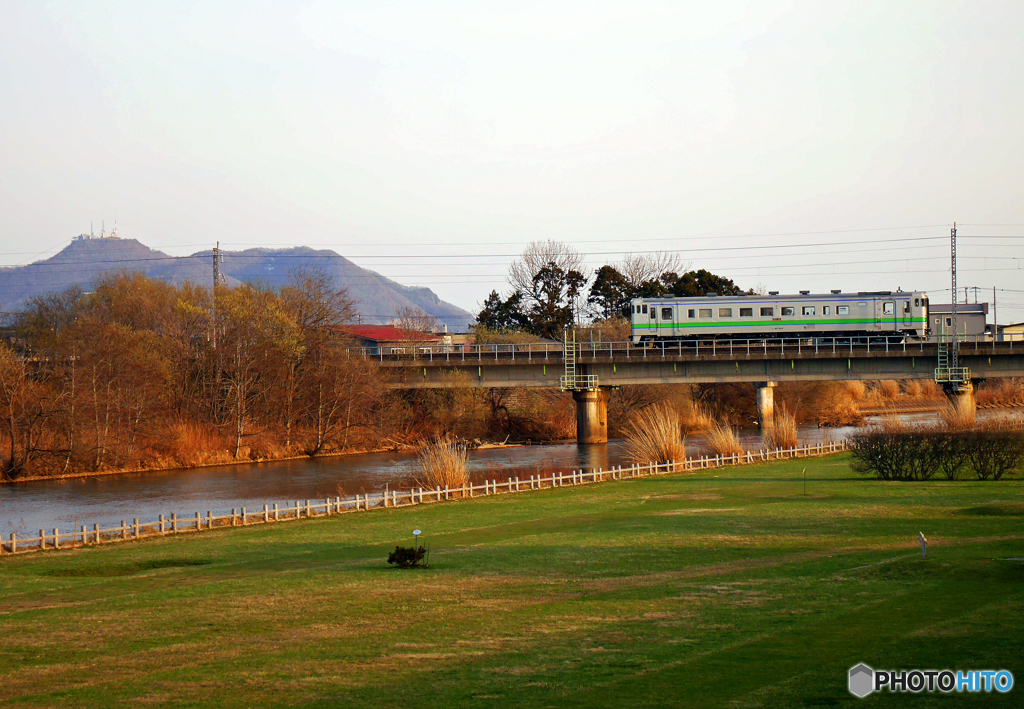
<point x="653" y="435"/>
<point x="781" y="432"/>
<point x="856" y="389"/>
<point x="889" y="388"/>
<point x="721" y="440"/>
<point x="958" y="414"/>
<point x="443" y="463"/>
<point x="695" y="417"/>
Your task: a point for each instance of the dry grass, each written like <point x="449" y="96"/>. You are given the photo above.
<point x="836" y="405"/>
<point x="192" y="444"/>
<point x="958" y="414"/>
<point x="856" y="389"/>
<point x="781" y="433"/>
<point x="892" y="423"/>
<point x="914" y="388"/>
<point x="1001" y="391"/>
<point x="695" y="417"/>
<point x="653" y="435"/>
<point x="889" y="388"/>
<point x="721" y="440"/>
<point x="443" y="463"/>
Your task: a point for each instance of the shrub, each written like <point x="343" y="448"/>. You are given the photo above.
<point x="653" y="435"/>
<point x="896" y="455"/>
<point x="995" y="451"/>
<point x="781" y="433"/>
<point x="443" y="463"/>
<point x="721" y="440"/>
<point x="408" y="557"/>
<point x="918" y="454"/>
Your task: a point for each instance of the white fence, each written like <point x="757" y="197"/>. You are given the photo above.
<point x="389" y="498"/>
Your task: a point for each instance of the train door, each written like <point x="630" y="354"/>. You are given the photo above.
<point x="668" y="320"/>
<point x="906" y="315"/>
<point x="889" y="315"/>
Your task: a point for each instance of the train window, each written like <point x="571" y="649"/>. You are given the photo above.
<point x="746" y="312"/>
<point x="842" y="310"/>
<point x="666" y="313"/>
<point x="906" y="306"/>
<point x="638" y="308"/>
<point x="691" y="313"/>
<point x="825" y="309"/>
<point x="888" y="308"/>
<point x="789" y="311"/>
<point x="767" y="312"/>
<point x="917" y="302"/>
<point x="654" y="313"/>
<point x="808" y="310"/>
<point x="705" y="312"/>
<point x="644" y="306"/>
<point x="725" y="312"/>
<point x="862" y="304"/>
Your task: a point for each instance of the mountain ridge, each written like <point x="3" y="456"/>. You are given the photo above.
<point x="377" y="297"/>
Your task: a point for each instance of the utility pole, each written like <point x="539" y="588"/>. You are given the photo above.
<point x="995" y="317"/>
<point x="216" y="282"/>
<point x="952" y="270"/>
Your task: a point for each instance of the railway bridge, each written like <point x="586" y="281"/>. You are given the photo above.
<point x="590" y="370"/>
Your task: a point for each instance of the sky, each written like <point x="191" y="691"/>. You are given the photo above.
<point x="786" y="145"/>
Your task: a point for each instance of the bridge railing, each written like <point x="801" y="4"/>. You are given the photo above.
<point x="702" y="348"/>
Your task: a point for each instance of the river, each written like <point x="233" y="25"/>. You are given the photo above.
<point x="26" y="507"/>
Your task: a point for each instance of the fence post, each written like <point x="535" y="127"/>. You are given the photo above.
<point x="56" y="538"/>
<point x="124" y="530"/>
<point x="135" y="524"/>
<point x="42" y="539"/>
<point x="14" y="543"/>
<point x="161" y="524"/>
<point x="277" y="512"/>
<point x="96" y="531"/>
<point x="309" y="511"/>
<point x="174" y="522"/>
<point x="199" y="522"/>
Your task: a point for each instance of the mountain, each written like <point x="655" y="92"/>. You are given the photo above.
<point x="377" y="298"/>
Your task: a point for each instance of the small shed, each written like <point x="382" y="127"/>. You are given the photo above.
<point x="970" y="318"/>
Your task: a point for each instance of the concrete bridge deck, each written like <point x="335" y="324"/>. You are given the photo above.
<point x="619" y="364"/>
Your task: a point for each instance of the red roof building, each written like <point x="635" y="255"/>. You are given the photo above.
<point x="388" y="339"/>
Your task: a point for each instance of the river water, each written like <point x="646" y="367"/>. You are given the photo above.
<point x="27" y="507"/>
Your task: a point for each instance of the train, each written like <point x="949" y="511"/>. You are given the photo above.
<point x="892" y="314"/>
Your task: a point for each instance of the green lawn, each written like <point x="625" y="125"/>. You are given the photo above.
<point x="724" y="588"/>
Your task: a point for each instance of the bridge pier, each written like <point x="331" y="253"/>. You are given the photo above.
<point x="765" y="403"/>
<point x="963" y="395"/>
<point x="591" y="416"/>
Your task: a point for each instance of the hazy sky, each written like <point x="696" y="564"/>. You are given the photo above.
<point x="431" y="141"/>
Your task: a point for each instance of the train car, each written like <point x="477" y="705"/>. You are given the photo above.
<point x="836" y="314"/>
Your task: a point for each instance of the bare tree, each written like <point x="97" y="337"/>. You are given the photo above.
<point x="537" y="255"/>
<point x="415" y="320"/>
<point x="639" y="268"/>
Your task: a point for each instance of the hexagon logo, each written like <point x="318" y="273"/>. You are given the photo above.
<point x="862" y="680"/>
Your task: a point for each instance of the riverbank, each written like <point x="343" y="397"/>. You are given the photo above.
<point x="242" y="461"/>
<point x="723" y="587"/>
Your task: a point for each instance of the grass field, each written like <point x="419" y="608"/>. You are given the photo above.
<point x="726" y="588"/>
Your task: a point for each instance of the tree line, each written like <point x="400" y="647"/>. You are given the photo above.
<point x="138" y="369"/>
<point x="549" y="289"/>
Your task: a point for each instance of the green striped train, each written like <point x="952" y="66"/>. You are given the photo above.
<point x="899" y="314"/>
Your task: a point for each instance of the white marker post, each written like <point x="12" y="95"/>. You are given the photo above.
<point x="924" y="544"/>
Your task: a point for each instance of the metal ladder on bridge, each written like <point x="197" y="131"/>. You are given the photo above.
<point x="948" y="372"/>
<point x="571" y="381"/>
